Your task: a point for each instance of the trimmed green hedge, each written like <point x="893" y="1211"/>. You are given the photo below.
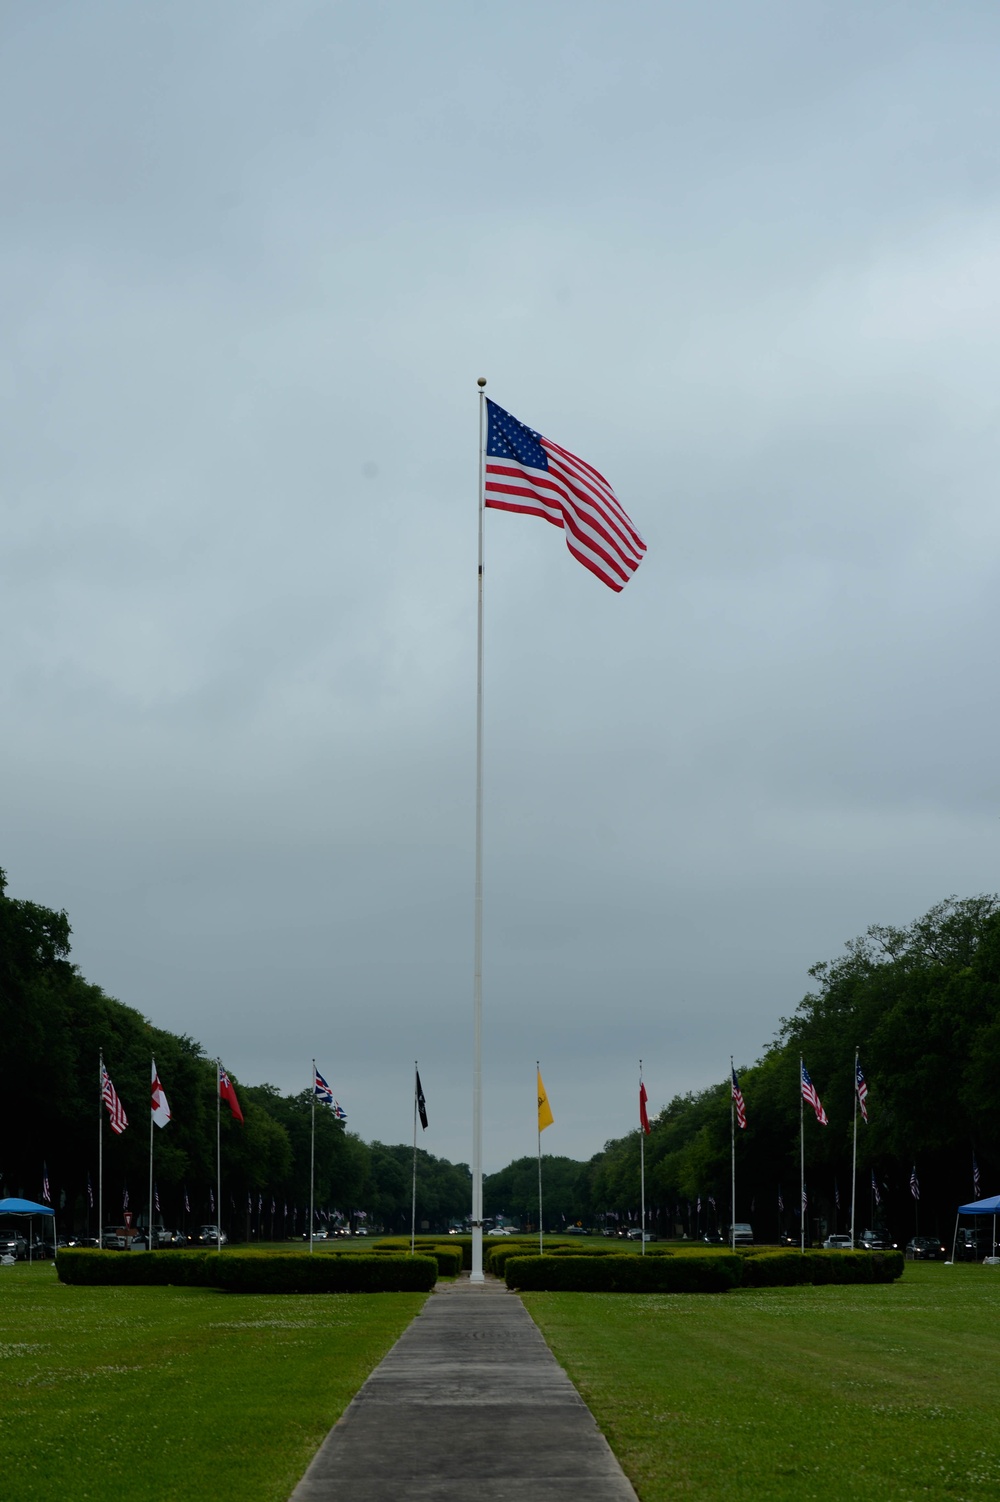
<point x="254" y="1272"/>
<point x="624" y="1274"/>
<point x="251" y="1271"/>
<point x="401" y="1243"/>
<point x="714" y="1272"/>
<point x="86" y="1265"/>
<point x="449" y="1258"/>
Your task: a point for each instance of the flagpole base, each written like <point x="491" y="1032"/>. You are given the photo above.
<point x="477" y="1275"/>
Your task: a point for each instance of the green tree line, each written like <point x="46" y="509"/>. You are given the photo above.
<point x="55" y="1025"/>
<point x="920" y="1003"/>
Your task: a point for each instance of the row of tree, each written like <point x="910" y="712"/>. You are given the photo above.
<point x="920" y="1003"/>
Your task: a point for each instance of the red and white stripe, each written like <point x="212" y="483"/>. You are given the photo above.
<point x="116" y="1111"/>
<point x="571" y="494"/>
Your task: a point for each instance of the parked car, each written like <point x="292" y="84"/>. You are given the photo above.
<point x="172" y="1238"/>
<point x="114" y="1238"/>
<point x="714" y="1238"/>
<point x="838" y="1244"/>
<point x="925" y="1249"/>
<point x="13" y="1244"/>
<point x="211" y="1235"/>
<point x="742" y="1233"/>
<point x="968" y="1247"/>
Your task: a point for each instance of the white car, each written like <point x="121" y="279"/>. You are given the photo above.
<point x="838" y="1244"/>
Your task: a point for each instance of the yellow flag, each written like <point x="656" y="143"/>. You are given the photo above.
<point x="545" y="1117"/>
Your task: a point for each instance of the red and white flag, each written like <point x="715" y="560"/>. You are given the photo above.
<point x="159" y="1106"/>
<point x="528" y="473"/>
<point x="809" y="1094"/>
<point x="109" y="1095"/>
<point x="741" y="1110"/>
<point x="228" y="1094"/>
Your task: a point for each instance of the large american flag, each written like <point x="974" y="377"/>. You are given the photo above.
<point x="862" y="1088"/>
<point x="528" y="473"/>
<point x="809" y="1094"/>
<point x="914" y="1183"/>
<point x="741" y="1110"/>
<point x="109" y="1095"/>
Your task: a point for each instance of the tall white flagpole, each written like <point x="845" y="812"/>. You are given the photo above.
<point x="802" y="1163"/>
<point x="854" y="1155"/>
<point x="413" y="1203"/>
<point x="312" y="1161"/>
<point x="476" y="1275"/>
<point x="642" y="1174"/>
<point x="218" y="1156"/>
<point x="100" y="1151"/>
<point x="149" y="1223"/>
<point x="732" y="1150"/>
<point x="541" y="1233"/>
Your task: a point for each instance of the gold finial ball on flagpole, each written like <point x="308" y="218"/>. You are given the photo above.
<point x="481" y="382"/>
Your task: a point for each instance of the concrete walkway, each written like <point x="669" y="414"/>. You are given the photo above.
<point x="469" y="1403"/>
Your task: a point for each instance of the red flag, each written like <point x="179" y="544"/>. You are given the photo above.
<point x="643" y="1117"/>
<point x="228" y="1094"/>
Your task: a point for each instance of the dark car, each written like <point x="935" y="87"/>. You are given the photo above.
<point x="13" y="1244"/>
<point x="969" y="1247"/>
<point x="925" y="1249"/>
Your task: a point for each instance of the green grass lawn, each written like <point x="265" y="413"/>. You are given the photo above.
<point x="162" y="1394"/>
<point x="890" y="1394"/>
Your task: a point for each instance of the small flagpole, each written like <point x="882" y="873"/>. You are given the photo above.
<point x="854" y="1155"/>
<point x="149" y="1223"/>
<point x="541" y="1246"/>
<point x="100" y="1151"/>
<point x="312" y="1162"/>
<point x="732" y="1150"/>
<point x="476" y="1275"/>
<point x="802" y="1161"/>
<point x="642" y="1175"/>
<point x="413" y="1206"/>
<point x="218" y="1156"/>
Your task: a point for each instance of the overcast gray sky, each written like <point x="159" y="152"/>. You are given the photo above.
<point x="742" y="257"/>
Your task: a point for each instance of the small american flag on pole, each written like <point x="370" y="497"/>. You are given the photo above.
<point x="741" y="1110"/>
<point x="862" y="1088"/>
<point x="109" y="1095"/>
<point x="528" y="473"/>
<point x="975" y="1176"/>
<point x="914" y="1183"/>
<point x="878" y="1197"/>
<point x="809" y="1094"/>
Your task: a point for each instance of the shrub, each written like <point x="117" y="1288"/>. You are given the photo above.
<point x="252" y="1271"/>
<point x="624" y="1274"/>
<point x="256" y="1272"/>
<point x="86" y="1265"/>
<point x="775" y="1269"/>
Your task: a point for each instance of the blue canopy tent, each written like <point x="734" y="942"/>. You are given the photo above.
<point x="989" y="1206"/>
<point x="28" y="1207"/>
